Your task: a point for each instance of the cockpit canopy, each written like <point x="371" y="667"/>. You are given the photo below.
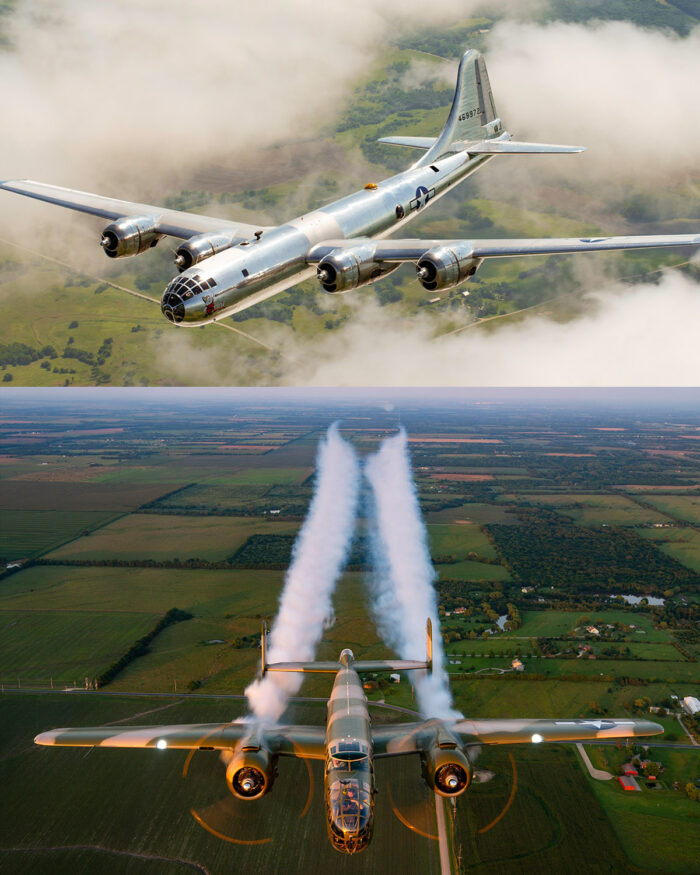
<point x="349" y="756"/>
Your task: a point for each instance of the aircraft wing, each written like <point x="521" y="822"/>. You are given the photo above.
<point x="174" y="223"/>
<point x="413" y="250"/>
<point x="300" y="741"/>
<point x="404" y="738"/>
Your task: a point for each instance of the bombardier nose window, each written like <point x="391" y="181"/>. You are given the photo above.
<point x="181" y="289"/>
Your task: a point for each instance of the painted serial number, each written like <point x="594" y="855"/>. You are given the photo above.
<point x="470" y="114"/>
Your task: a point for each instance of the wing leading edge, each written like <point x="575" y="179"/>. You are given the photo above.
<point x="173" y="223"/>
<point x="302" y="741"/>
<point x="407" y="738"/>
<point x="414" y="249"/>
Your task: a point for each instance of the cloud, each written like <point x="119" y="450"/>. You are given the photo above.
<point x="643" y="336"/>
<point x="121" y="90"/>
<point x="625" y="92"/>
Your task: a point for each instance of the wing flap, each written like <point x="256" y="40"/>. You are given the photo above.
<point x="174" y="223"/>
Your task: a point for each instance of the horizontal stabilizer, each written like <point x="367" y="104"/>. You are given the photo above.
<point x="411" y="142"/>
<point x="360" y="665"/>
<point x="513" y="147"/>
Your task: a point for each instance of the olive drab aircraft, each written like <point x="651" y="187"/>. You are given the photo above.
<point x="227" y="266"/>
<point x="348" y="744"/>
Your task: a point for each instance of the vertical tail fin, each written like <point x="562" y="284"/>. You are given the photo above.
<point x="473" y="113"/>
<point x="429" y="644"/>
<point x="263" y="649"/>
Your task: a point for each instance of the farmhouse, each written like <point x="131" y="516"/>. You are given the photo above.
<point x="629" y="769"/>
<point x="517" y="665"/>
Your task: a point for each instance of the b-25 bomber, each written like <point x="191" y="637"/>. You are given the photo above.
<point x="348" y="744"/>
<point x="228" y="266"/>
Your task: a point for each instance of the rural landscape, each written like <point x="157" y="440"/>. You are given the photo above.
<point x="73" y="317"/>
<point x="144" y="541"/>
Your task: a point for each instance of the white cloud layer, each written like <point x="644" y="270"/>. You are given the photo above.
<point x="627" y="93"/>
<point x="645" y="336"/>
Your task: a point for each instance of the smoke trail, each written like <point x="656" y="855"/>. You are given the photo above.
<point x="403" y="574"/>
<point x="319" y="554"/>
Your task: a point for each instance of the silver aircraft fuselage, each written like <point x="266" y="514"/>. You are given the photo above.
<point x="254" y="270"/>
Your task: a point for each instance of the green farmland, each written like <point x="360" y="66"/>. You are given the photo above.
<point x="166" y="510"/>
<point x="163" y="537"/>
<point x="27" y="533"/>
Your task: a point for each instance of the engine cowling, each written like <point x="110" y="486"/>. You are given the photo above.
<point x="447" y="770"/>
<point x="445" y="267"/>
<point x="129" y="236"/>
<point x="345" y="269"/>
<point x="202" y="246"/>
<point x="250" y="773"/>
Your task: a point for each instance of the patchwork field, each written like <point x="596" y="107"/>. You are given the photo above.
<point x="67" y="646"/>
<point x="161" y="537"/>
<point x="158" y="492"/>
<point x="26" y="533"/>
<point x="683" y="507"/>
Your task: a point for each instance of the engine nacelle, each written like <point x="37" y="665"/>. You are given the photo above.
<point x="129" y="236"/>
<point x="202" y="246"/>
<point x="447" y="770"/>
<point x="250" y="773"/>
<point x="446" y="267"/>
<point x="345" y="269"/>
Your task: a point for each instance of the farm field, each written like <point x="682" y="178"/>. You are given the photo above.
<point x="596" y="510"/>
<point x="682" y="544"/>
<point x="458" y="540"/>
<point x="468" y="570"/>
<point x="153" y="590"/>
<point x="477" y="514"/>
<point x="555" y="624"/>
<point x="160" y="537"/>
<point x="67" y="646"/>
<point x="176" y="496"/>
<point x="684" y="507"/>
<point x="26" y="533"/>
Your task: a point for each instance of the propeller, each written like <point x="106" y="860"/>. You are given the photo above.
<point x="241" y="821"/>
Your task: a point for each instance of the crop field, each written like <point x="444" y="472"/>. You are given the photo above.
<point x="152" y="590"/>
<point x="42" y="495"/>
<point x="26" y="533"/>
<point x="476" y="513"/>
<point x="596" y="510"/>
<point x="468" y="570"/>
<point x="684" y="507"/>
<point x="67" y="646"/>
<point x="458" y="540"/>
<point x="682" y="544"/>
<point x="159" y="537"/>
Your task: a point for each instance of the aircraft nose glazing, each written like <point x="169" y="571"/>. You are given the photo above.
<point x="173" y="307"/>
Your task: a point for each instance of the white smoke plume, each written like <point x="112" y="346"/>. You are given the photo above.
<point x="640" y="336"/>
<point x="402" y="584"/>
<point x="318" y="558"/>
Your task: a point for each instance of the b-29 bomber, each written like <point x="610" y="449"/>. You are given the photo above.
<point x="228" y="266"/>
